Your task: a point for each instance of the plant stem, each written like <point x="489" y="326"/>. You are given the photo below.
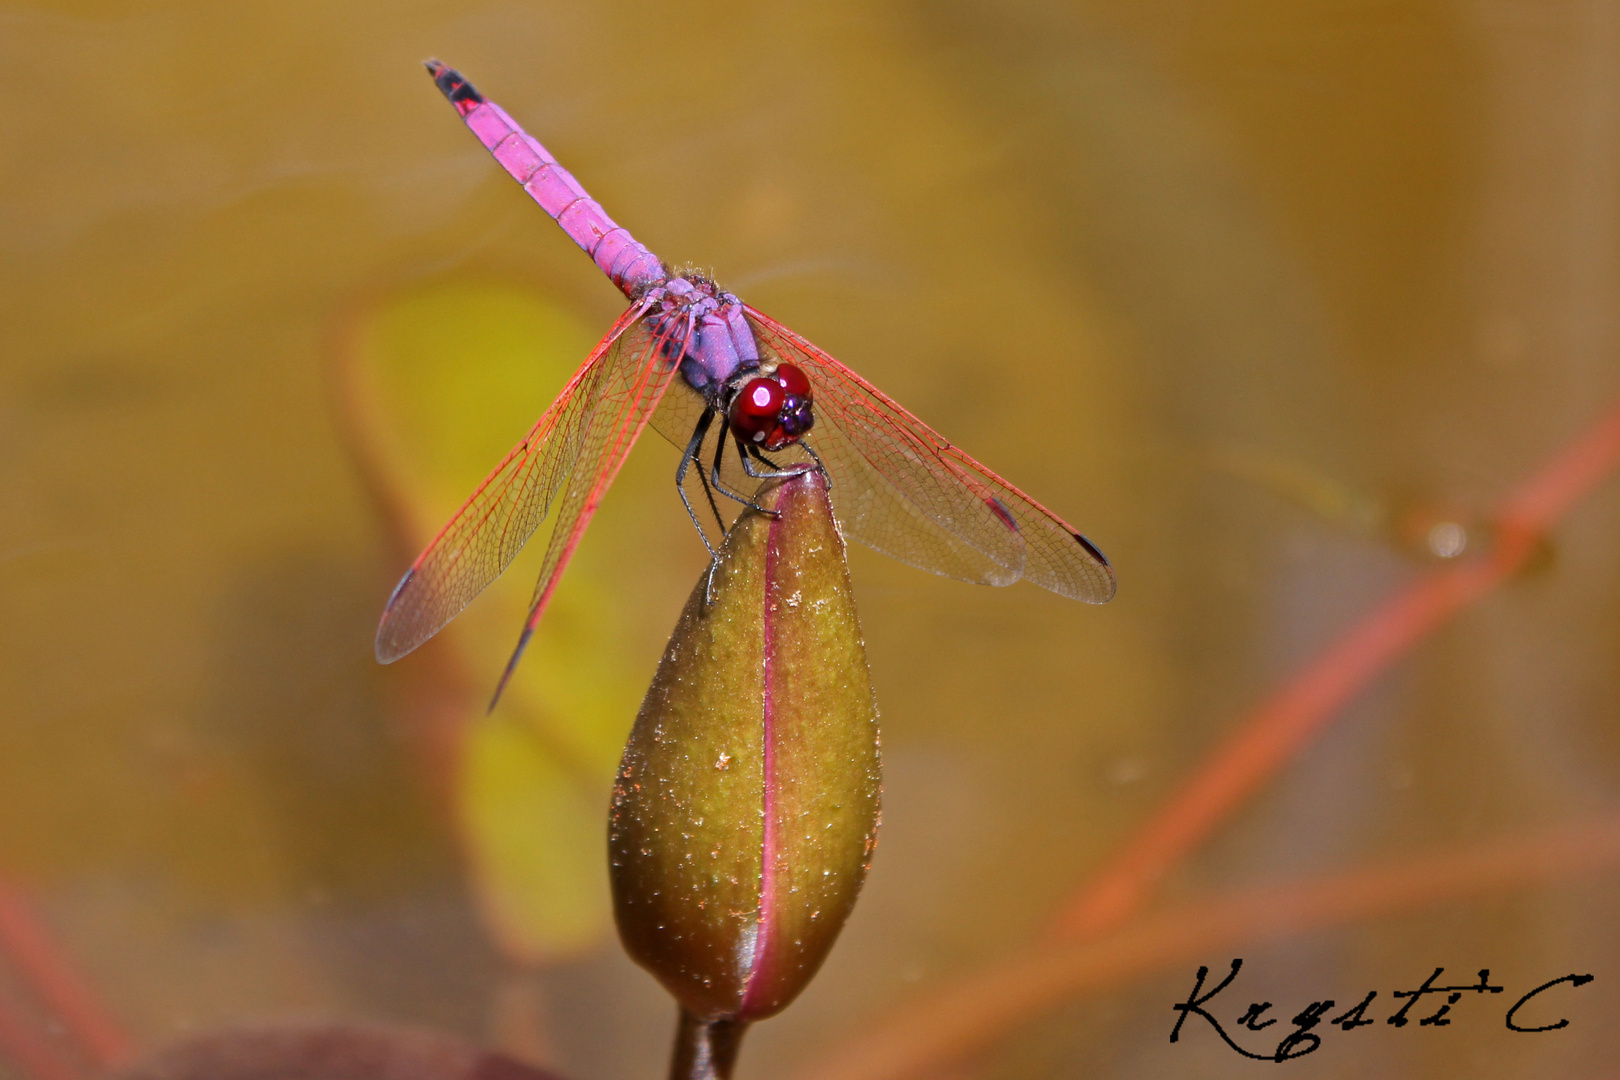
<point x="705" y="1049"/>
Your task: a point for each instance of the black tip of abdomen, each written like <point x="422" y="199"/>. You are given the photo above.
<point x="451" y="83"/>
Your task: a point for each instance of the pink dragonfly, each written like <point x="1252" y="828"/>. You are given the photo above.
<point x="685" y="357"/>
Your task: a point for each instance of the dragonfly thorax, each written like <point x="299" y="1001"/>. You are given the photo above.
<point x="703" y="329"/>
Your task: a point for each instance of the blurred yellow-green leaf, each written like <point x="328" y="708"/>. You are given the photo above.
<point x="447" y="377"/>
<point x="536" y="838"/>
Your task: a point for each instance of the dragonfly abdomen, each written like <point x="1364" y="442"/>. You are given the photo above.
<point x="626" y="261"/>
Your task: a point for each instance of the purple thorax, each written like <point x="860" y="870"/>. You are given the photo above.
<point x="699" y="325"/>
<point x="704" y="328"/>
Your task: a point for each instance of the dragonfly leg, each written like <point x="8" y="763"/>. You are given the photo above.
<point x="757" y="454"/>
<point x="708" y="491"/>
<point x="693" y="446"/>
<point x="719" y="485"/>
<point x="708" y="584"/>
<point x="825" y="475"/>
<point x="778" y="472"/>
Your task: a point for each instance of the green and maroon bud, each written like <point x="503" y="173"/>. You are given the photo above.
<point x="746" y="806"/>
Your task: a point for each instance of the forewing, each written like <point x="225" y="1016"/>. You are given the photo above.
<point x="633" y="376"/>
<point x="902" y="489"/>
<point x="678" y="413"/>
<point x="493" y="525"/>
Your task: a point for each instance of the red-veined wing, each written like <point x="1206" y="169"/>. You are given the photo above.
<point x="635" y="374"/>
<point x="869" y="508"/>
<point x="485" y="535"/>
<point x="899" y="487"/>
<point x="678" y="414"/>
<point x="677" y="418"/>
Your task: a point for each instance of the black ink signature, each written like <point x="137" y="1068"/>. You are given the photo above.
<point x="1302" y="1040"/>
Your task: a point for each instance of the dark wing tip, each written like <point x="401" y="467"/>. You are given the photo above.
<point x="1092" y="548"/>
<point x="453" y="85"/>
<point x="1108" y="572"/>
<point x="387" y="646"/>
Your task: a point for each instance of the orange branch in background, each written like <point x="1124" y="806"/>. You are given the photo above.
<point x="28" y="947"/>
<point x="972" y="1014"/>
<point x="1285" y="723"/>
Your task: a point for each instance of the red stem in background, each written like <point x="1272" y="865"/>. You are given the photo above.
<point x="27" y="945"/>
<point x="972" y="1014"/>
<point x="1285" y="723"/>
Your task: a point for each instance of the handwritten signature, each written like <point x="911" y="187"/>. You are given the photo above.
<point x="1302" y="1040"/>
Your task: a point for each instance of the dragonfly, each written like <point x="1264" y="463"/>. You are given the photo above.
<point x="689" y="359"/>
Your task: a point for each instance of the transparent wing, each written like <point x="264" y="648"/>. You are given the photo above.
<point x="899" y="487"/>
<point x="632" y="376"/>
<point x="486" y="534"/>
<point x="675" y="420"/>
<point x="678" y="414"/>
<point x="868" y="507"/>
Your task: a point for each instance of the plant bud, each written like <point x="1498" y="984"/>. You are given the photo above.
<point x="746" y="806"/>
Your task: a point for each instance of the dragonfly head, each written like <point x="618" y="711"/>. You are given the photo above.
<point x="772" y="411"/>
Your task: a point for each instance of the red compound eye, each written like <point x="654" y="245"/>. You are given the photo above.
<point x="757" y="410"/>
<point x="793" y="380"/>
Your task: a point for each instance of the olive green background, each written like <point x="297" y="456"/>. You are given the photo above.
<point x="1252" y="291"/>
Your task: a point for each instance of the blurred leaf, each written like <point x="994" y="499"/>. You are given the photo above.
<point x="1296" y="481"/>
<point x="537" y="840"/>
<point x="449" y="378"/>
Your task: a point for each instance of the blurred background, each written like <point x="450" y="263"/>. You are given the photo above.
<point x="1275" y="299"/>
